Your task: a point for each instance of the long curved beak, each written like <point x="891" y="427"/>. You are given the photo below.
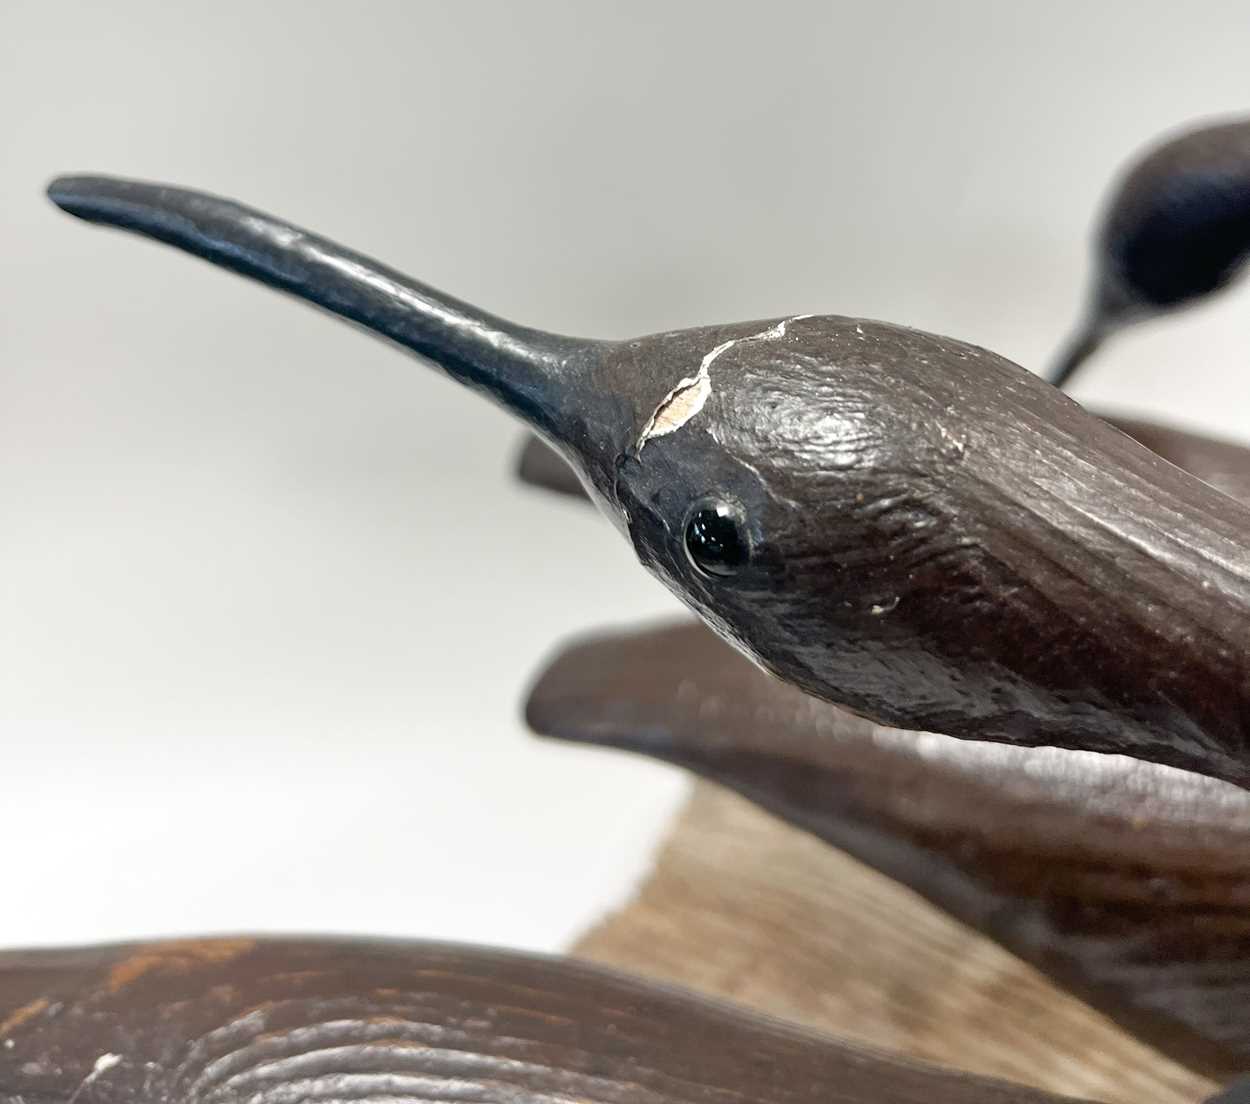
<point x="543" y="378"/>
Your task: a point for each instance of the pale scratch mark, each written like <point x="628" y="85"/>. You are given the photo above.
<point x="687" y="398"/>
<point x="956" y="445"/>
<point x="102" y="1065"/>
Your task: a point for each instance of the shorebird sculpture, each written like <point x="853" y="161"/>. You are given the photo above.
<point x="925" y="548"/>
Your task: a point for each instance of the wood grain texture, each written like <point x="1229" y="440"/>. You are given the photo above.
<point x="1106" y="845"/>
<point x="741" y="905"/>
<point x="1225" y="465"/>
<point x="303" y="1020"/>
<point x="922" y="531"/>
<point x="1124" y="880"/>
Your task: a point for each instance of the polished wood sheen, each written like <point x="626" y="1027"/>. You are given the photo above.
<point x="979" y="599"/>
<point x="1124" y="880"/>
<point x="1222" y="464"/>
<point x="283" y="1021"/>
<point x="926" y="533"/>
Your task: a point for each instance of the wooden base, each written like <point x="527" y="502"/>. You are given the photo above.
<point x="742" y="906"/>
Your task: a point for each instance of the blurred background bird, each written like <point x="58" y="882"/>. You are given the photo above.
<point x="1176" y="229"/>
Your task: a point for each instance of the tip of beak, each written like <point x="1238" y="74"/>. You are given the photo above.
<point x="105" y="199"/>
<point x="75" y="194"/>
<point x="115" y="201"/>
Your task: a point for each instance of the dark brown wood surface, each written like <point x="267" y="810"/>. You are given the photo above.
<point x="903" y="524"/>
<point x="1127" y="881"/>
<point x="1224" y="465"/>
<point x="922" y="532"/>
<point x="229" y="1021"/>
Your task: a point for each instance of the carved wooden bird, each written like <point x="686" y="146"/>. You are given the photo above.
<point x="1176" y="229"/>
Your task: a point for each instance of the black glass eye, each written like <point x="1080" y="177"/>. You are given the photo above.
<point x="716" y="539"/>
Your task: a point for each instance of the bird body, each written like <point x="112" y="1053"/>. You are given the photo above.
<point x="899" y="523"/>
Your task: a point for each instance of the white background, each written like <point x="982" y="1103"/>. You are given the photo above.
<point x="269" y="599"/>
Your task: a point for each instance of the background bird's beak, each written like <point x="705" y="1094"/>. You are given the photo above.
<point x="1083" y="344"/>
<point x="1111" y="307"/>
